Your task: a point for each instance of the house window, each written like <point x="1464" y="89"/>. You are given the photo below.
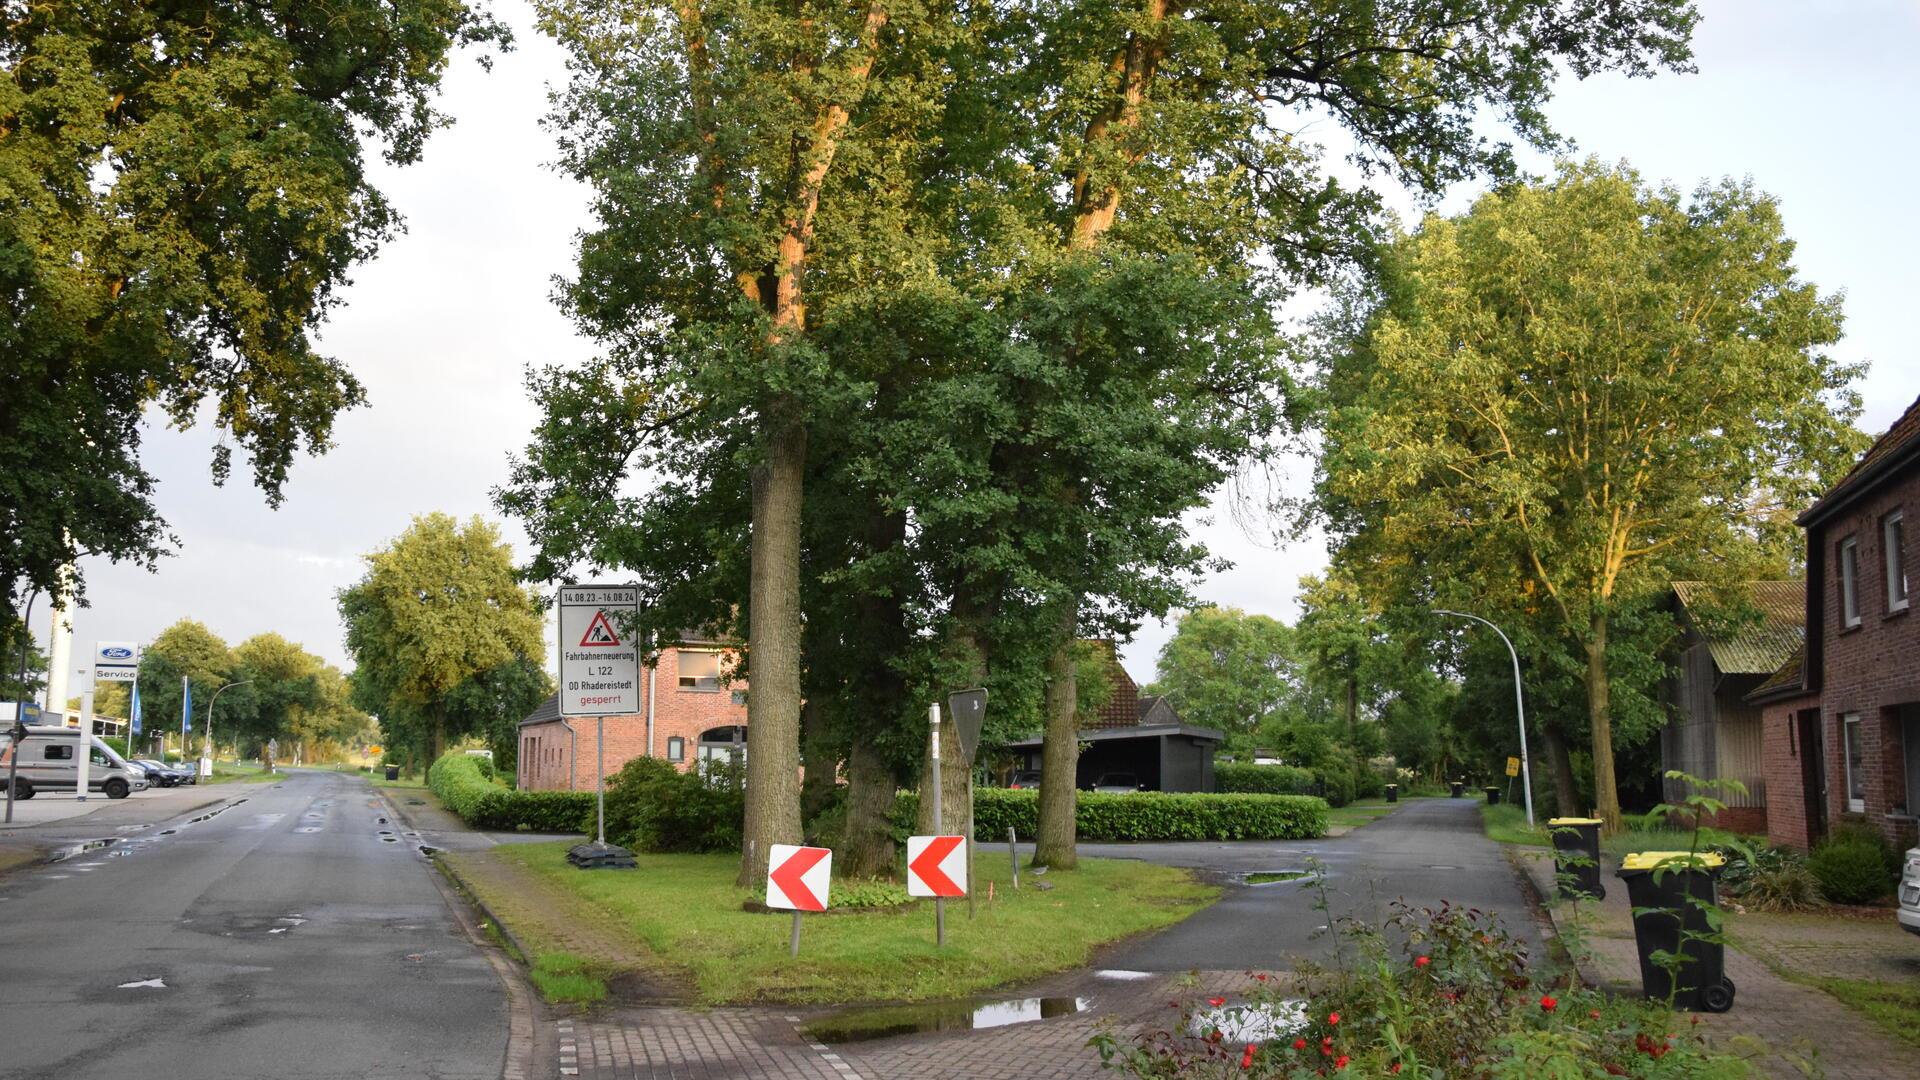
<point x="1893" y="538"/>
<point x="740" y="698"/>
<point x="676" y="749"/>
<point x="700" y="671"/>
<point x="1849" y="583"/>
<point x="1856" y="767"/>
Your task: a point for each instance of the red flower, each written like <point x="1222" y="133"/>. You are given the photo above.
<point x="1615" y="1070"/>
<point x="1549" y="1003"/>
<point x="1394" y="1068"/>
<point x="1216" y="1002"/>
<point x="1299" y="1044"/>
<point x="1593" y="1014"/>
<point x="1246" y="1058"/>
<point x="1263" y="976"/>
<point x="1422" y="961"/>
<point x="1341" y="1061"/>
<point x="1333" y="1018"/>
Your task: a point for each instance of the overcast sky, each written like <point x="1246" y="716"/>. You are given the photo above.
<point x="1814" y="101"/>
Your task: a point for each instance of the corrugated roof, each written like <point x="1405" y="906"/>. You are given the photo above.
<point x="1788" y="678"/>
<point x="1904" y="431"/>
<point x="1753" y="647"/>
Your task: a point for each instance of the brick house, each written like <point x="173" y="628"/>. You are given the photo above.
<point x="1712" y="729"/>
<point x="690" y="712"/>
<point x="1841" y="717"/>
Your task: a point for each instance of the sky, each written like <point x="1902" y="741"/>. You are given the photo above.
<point x="1814" y="102"/>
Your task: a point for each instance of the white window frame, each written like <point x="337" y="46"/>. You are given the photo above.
<point x="1849" y="746"/>
<point x="676" y="748"/>
<point x="699" y="684"/>
<point x="1849" y="583"/>
<point x="1892" y="536"/>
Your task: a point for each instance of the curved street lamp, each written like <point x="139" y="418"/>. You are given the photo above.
<point x="1519" y="704"/>
<point x="208" y="756"/>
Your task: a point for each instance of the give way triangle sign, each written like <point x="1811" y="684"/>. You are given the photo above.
<point x="797" y="877"/>
<point x="936" y="866"/>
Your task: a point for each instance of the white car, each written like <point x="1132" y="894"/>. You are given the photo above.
<point x="1910" y="892"/>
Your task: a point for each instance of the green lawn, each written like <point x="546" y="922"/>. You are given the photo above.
<point x="1361" y="811"/>
<point x="240" y="772"/>
<point x="683" y="920"/>
<point x="1507" y="824"/>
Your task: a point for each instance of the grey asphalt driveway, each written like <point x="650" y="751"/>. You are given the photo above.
<point x="1428" y="851"/>
<point x="290" y="935"/>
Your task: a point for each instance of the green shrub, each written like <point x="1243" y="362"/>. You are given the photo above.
<point x="1854" y="866"/>
<point x="1239" y="778"/>
<point x="652" y="806"/>
<point x="1145" y="815"/>
<point x="461" y="782"/>
<point x="1336" y="783"/>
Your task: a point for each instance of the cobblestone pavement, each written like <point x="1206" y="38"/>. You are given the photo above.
<point x="1800" y="1025"/>
<point x="773" y="1044"/>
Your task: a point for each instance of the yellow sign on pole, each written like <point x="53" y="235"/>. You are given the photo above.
<point x="1513" y="766"/>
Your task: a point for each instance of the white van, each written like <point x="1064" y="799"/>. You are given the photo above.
<point x="47" y="763"/>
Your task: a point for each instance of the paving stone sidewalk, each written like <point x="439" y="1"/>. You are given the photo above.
<point x="1800" y="1025"/>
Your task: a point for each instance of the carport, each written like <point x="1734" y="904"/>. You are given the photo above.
<point x="1166" y="757"/>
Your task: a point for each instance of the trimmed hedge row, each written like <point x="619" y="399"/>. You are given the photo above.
<point x="1145" y="815"/>
<point x="1244" y="777"/>
<point x="462" y="782"/>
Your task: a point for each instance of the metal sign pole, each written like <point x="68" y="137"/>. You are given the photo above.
<point x="600" y="776"/>
<point x="939" y="903"/>
<point x="793" y="943"/>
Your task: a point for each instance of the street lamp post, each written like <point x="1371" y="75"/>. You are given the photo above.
<point x="1519" y="704"/>
<point x="206" y="759"/>
<point x="19" y="731"/>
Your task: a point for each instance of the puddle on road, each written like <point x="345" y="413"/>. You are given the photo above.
<point x="964" y="1014"/>
<point x="143" y="984"/>
<point x="81" y="848"/>
<point x="389" y="839"/>
<point x="1269" y="877"/>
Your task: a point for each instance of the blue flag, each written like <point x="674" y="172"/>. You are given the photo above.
<point x="186" y="705"/>
<point x="134" y="709"/>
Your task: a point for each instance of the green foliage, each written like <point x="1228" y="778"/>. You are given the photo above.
<point x="445" y="640"/>
<point x="652" y="806"/>
<point x="1238" y="777"/>
<point x="14" y="639"/>
<point x="183" y="192"/>
<point x="1854" y="865"/>
<point x="1771" y="879"/>
<point x="1146" y="815"/>
<point x="1226" y="669"/>
<point x="869" y="893"/>
<point x="1451" y="994"/>
<point x="564" y="978"/>
<point x="461" y="781"/>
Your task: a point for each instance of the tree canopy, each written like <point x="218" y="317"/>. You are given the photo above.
<point x="183" y="189"/>
<point x="1552" y="406"/>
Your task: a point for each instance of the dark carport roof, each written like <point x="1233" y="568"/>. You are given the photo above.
<point x="544" y="713"/>
<point x="1142" y="731"/>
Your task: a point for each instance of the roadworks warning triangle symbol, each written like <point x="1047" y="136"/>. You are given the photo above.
<point x="600" y="631"/>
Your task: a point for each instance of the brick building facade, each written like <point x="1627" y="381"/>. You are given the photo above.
<point x="1842" y="717"/>
<point x="690" y="712"/>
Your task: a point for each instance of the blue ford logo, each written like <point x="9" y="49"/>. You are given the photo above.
<point x="117" y="652"/>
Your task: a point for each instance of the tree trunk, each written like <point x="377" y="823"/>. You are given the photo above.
<point x="773" y="650"/>
<point x="868" y="849"/>
<point x="1060" y="753"/>
<point x="439" y="736"/>
<point x="1606" y="794"/>
<point x="1566" y="793"/>
<point x="819" y="764"/>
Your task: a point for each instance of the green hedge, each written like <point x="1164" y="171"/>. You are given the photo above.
<point x="652" y="806"/>
<point x="460" y="779"/>
<point x="1234" y="777"/>
<point x="1145" y="815"/>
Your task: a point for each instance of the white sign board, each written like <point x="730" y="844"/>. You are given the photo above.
<point x="936" y="866"/>
<point x="116" y="661"/>
<point x="798" y="877"/>
<point x="599" y="657"/>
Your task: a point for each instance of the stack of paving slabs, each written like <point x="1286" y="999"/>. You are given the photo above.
<point x="599" y="856"/>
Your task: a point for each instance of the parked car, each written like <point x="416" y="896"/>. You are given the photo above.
<point x="1026" y="778"/>
<point x="1118" y="783"/>
<point x="1910" y="892"/>
<point x="47" y="763"/>
<point x="162" y="774"/>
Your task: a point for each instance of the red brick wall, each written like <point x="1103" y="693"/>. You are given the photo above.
<point x="1786" y="792"/>
<point x="554" y="761"/>
<point x="1873" y="668"/>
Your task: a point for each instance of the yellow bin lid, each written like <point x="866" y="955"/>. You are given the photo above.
<point x="1653" y="860"/>
<point x="1575" y="821"/>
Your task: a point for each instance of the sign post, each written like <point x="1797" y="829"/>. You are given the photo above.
<point x="937" y="867"/>
<point x="939" y="902"/>
<point x="599" y="677"/>
<point x="798" y="879"/>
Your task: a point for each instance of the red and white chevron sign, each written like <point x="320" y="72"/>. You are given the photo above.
<point x="797" y="877"/>
<point x="936" y="866"/>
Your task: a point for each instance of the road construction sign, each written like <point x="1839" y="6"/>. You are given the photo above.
<point x="937" y="866"/>
<point x="599" y="654"/>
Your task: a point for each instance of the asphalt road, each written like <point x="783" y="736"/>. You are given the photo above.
<point x="1427" y="852"/>
<point x="290" y="935"/>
